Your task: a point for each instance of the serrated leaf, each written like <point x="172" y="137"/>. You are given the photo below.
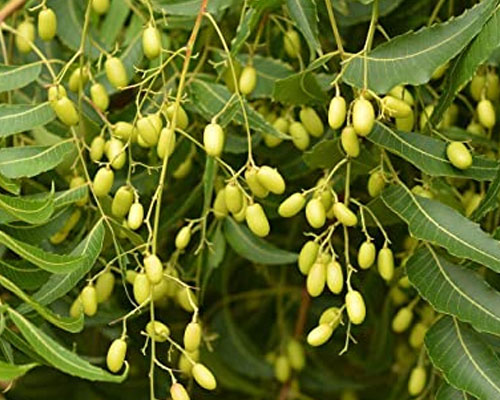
<point x="9" y="372"/>
<point x="190" y="8"/>
<point x="464" y="67"/>
<point x="448" y="392"/>
<point x="305" y="15"/>
<point x="421" y="52"/>
<point x="352" y="12"/>
<point x="58" y="285"/>
<point x="255" y="249"/>
<point x="18" y="76"/>
<point x="245" y="28"/>
<point x="466" y="361"/>
<point x="58" y="356"/>
<point x="324" y="154"/>
<point x="437" y="223"/>
<point x="28" y="161"/>
<point x="455" y="290"/>
<point x="23" y="274"/>
<point x="114" y="22"/>
<point x="69" y="324"/>
<point x="211" y="98"/>
<point x="490" y="200"/>
<point x="55" y="263"/>
<point x="31" y="211"/>
<point x="15" y="118"/>
<point x="429" y="154"/>
<point x="298" y="89"/>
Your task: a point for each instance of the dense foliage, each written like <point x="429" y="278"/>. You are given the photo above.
<point x="260" y="199"/>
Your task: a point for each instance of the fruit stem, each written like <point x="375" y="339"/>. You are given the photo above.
<point x="11" y="7"/>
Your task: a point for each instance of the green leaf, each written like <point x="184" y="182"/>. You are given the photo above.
<point x="58" y="356"/>
<point x="464" y="67"/>
<point x="23" y="274"/>
<point x="437" y="223"/>
<point x="114" y="22"/>
<point x="55" y="263"/>
<point x="217" y="251"/>
<point x="490" y="201"/>
<point x="255" y="249"/>
<point x="67" y="323"/>
<point x="324" y="154"/>
<point x="9" y="372"/>
<point x="9" y="185"/>
<point x="245" y="28"/>
<point x="429" y="154"/>
<point x="18" y="76"/>
<point x="58" y="284"/>
<point x="305" y="15"/>
<point x="211" y="98"/>
<point x="420" y="52"/>
<point x="464" y="358"/>
<point x="455" y="290"/>
<point x="15" y="118"/>
<point x="298" y="89"/>
<point x="32" y="211"/>
<point x="190" y="8"/>
<point x="352" y="12"/>
<point x="28" y="161"/>
<point x="448" y="392"/>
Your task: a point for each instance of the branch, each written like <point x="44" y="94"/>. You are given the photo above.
<point x="10" y="8"/>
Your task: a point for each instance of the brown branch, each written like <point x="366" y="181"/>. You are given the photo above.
<point x="10" y="8"/>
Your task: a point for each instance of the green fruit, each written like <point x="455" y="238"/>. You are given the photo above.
<point x="320" y="335"/>
<point x="282" y="370"/>
<point x="89" y="300"/>
<point x="124" y="131"/>
<point x="253" y="183"/>
<point x="220" y="207"/>
<point x="153" y="268"/>
<point x="122" y="201"/>
<point x="292" y="205"/>
<point x="355" y="306"/>
<point x="257" y="220"/>
<point x="157" y="331"/>
<point x="183" y="237"/>
<point x="178" y="392"/>
<point x="25" y="36"/>
<point x="417" y="381"/>
<point x="492" y="86"/>
<point x="396" y="108"/>
<point x="311" y="121"/>
<point x="316" y="279"/>
<point x="77" y="182"/>
<point x="55" y="92"/>
<point x="115" y="153"/>
<point x="78" y="79"/>
<point x="291" y="43"/>
<point x="213" y="139"/>
<point x="248" y="80"/>
<point x="116" y="355"/>
<point x="337" y="112"/>
<point x="66" y="111"/>
<point x="296" y="354"/>
<point x="475" y="128"/>
<point x="97" y="148"/>
<point x="135" y="216"/>
<point x="166" y="143"/>
<point x="148" y="129"/>
<point x="331" y="316"/>
<point x="315" y="213"/>
<point x="406" y="124"/>
<point x="104" y="286"/>
<point x="182" y="117"/>
<point x="350" y="142"/>
<point x="439" y="72"/>
<point x="363" y="116"/>
<point x="477" y="85"/>
<point x="115" y="72"/>
<point x="366" y="254"/>
<point x="307" y="256"/>
<point x="183" y="169"/>
<point x="186" y="299"/>
<point x="401" y="93"/>
<point x="402" y="320"/>
<point x="425" y="116"/>
<point x="151" y="42"/>
<point x="417" y="335"/>
<point x="271" y="179"/>
<point x="422" y="192"/>
<point x="103" y="181"/>
<point x="47" y="24"/>
<point x="281" y="124"/>
<point x="241" y="215"/>
<point x="376" y="183"/>
<point x="344" y="215"/>
<point x="99" y="96"/>
<point x="486" y="113"/>
<point x="76" y="308"/>
<point x="100" y="6"/>
<point x="142" y="288"/>
<point x="459" y="155"/>
<point x="192" y="336"/>
<point x="334" y="277"/>
<point x="385" y="263"/>
<point x="300" y="137"/>
<point x="233" y="197"/>
<point x="204" y="377"/>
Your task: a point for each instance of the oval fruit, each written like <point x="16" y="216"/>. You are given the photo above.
<point x="122" y="201"/>
<point x="157" y="331"/>
<point x="233" y="197"/>
<point x="350" y="142"/>
<point x="55" y="92"/>
<point x="376" y="183"/>
<point x="417" y="381"/>
<point x="192" y="336"/>
<point x="344" y="215"/>
<point x="320" y="335"/>
<point x="417" y="335"/>
<point x="100" y="6"/>
<point x="166" y="143"/>
<point x="135" y="216"/>
<point x="151" y="42"/>
<point x="363" y="116"/>
<point x="148" y="129"/>
<point x="76" y="308"/>
<point x="253" y="183"/>
<point x="178" y="392"/>
<point x="115" y="72"/>
<point x="355" y="306"/>
<point x="311" y="121"/>
<point x="395" y="107"/>
<point x="97" y="148"/>
<point x="366" y="254"/>
<point x="25" y="36"/>
<point x="331" y="316"/>
<point x="334" y="277"/>
<point x="296" y="354"/>
<point x="104" y="286"/>
<point x="307" y="256"/>
<point x="316" y="279"/>
<point x="282" y="369"/>
<point x="89" y="300"/>
<point x="291" y="43"/>
<point x="182" y="121"/>
<point x="292" y="205"/>
<point x="315" y="213"/>
<point x="204" y="377"/>
<point x="103" y="181"/>
<point x="123" y="130"/>
<point x="47" y="24"/>
<point x="402" y="320"/>
<point x="257" y="220"/>
<point x="406" y="124"/>
<point x="486" y="113"/>
<point x="153" y="268"/>
<point x="116" y="355"/>
<point x="248" y="79"/>
<point x="213" y="139"/>
<point x="186" y="299"/>
<point x="66" y="111"/>
<point x="183" y="237"/>
<point x="300" y="137"/>
<point x="78" y="79"/>
<point x="337" y="112"/>
<point x="142" y="288"/>
<point x="402" y="93"/>
<point x="219" y="207"/>
<point x="459" y="155"/>
<point x="271" y="179"/>
<point x="477" y="85"/>
<point x="385" y="263"/>
<point x="99" y="96"/>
